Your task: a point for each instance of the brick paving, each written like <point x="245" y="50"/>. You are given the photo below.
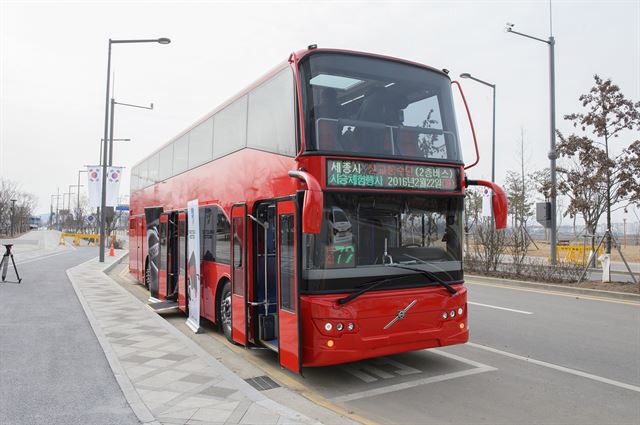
<point x="166" y="377"/>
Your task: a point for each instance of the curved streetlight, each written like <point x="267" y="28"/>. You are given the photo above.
<point x="103" y="201"/>
<point x="493" y="137"/>
<point x="553" y="155"/>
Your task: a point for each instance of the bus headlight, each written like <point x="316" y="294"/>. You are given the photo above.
<point x="351" y="327"/>
<point x="339" y="327"/>
<point x="460" y="310"/>
<point x="445" y="315"/>
<point x="328" y="326"/>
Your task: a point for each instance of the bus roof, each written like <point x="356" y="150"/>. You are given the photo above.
<point x="294" y="56"/>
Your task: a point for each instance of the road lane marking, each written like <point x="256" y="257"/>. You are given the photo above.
<point x="500" y="308"/>
<point x="477" y="367"/>
<point x="561" y="294"/>
<point x="411" y="384"/>
<point x="371" y="370"/>
<point x="41" y="257"/>
<point x="558" y="367"/>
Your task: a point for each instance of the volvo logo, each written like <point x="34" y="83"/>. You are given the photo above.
<point x="401" y="314"/>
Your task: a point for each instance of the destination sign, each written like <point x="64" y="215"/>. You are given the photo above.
<point x="386" y="175"/>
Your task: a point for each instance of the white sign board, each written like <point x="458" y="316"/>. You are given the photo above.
<point x="487" y="210"/>
<point x="193" y="265"/>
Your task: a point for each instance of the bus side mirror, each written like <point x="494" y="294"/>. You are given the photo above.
<point x="312" y="204"/>
<point x="498" y="201"/>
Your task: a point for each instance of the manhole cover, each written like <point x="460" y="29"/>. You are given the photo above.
<point x="262" y="383"/>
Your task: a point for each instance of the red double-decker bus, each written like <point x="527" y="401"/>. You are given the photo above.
<point x="331" y="205"/>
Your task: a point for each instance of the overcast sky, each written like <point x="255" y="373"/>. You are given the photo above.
<point x="53" y="68"/>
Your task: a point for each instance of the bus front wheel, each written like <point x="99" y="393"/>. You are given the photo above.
<point x="225" y="310"/>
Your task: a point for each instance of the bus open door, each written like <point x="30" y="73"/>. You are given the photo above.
<point x="288" y="296"/>
<point x="182" y="261"/>
<point x="239" y="273"/>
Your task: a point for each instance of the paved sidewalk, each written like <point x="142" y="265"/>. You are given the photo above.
<point x="166" y="377"/>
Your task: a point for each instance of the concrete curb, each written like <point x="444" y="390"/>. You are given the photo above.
<point x="558" y="288"/>
<point x="138" y="407"/>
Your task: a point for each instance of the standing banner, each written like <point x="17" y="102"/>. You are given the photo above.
<point x="94" y="185"/>
<point x="152" y="216"/>
<point x="193" y="265"/>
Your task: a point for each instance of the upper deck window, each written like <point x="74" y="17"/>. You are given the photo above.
<point x="372" y="107"/>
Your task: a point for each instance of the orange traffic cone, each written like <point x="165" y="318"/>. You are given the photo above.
<point x="112" y="251"/>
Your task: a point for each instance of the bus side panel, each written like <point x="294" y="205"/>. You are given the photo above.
<point x="133" y="247"/>
<point x="211" y="273"/>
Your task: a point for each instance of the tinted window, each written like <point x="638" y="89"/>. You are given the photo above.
<point x="271" y="123"/>
<point x="166" y="162"/>
<point x="143" y="176"/>
<point x="154" y="163"/>
<point x="230" y="128"/>
<point x="223" y="238"/>
<point x="181" y="154"/>
<point x="287" y="265"/>
<point x="377" y="107"/>
<point x="201" y="143"/>
<point x="207" y="232"/>
<point x="182" y="246"/>
<point x="134" y="179"/>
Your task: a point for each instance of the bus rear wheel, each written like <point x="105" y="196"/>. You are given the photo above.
<point x="225" y="311"/>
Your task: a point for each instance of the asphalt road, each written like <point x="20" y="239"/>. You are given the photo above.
<point x="52" y="368"/>
<point x="534" y="357"/>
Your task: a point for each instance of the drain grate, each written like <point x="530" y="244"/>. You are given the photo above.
<point x="262" y="383"/>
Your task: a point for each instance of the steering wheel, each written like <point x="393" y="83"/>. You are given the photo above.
<point x="412" y="245"/>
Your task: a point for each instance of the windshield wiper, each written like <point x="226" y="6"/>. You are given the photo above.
<point x="428" y="274"/>
<point x="369" y="286"/>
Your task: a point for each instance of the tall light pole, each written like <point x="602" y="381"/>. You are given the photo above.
<point x="13" y="213"/>
<point x="551" y="42"/>
<point x="493" y="136"/>
<point x="103" y="201"/>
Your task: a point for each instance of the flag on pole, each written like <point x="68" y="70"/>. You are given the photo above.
<point x="94" y="185"/>
<point x="114" y="176"/>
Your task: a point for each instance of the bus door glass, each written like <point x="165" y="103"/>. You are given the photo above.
<point x="182" y="261"/>
<point x="239" y="273"/>
<point x="172" y="257"/>
<point x="288" y="305"/>
<point x="164" y="254"/>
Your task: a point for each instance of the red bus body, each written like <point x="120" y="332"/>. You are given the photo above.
<point x="313" y="328"/>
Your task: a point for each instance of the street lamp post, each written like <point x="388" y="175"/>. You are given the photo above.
<point x="13" y="212"/>
<point x="115" y="140"/>
<point x="551" y="42"/>
<point x="111" y="139"/>
<point x="493" y="136"/>
<point x="103" y="200"/>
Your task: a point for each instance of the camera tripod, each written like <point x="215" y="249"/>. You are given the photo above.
<point x="4" y="264"/>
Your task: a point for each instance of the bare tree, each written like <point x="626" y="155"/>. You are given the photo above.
<point x="595" y="182"/>
<point x="17" y="213"/>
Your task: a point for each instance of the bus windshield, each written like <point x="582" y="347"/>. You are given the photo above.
<point x="363" y="236"/>
<point x="365" y="106"/>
